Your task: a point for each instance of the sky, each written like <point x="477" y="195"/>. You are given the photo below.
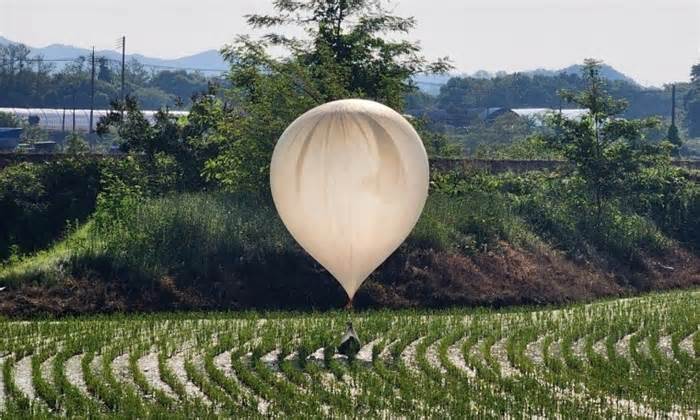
<point x="653" y="41"/>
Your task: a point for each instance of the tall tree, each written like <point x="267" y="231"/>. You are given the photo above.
<point x="692" y="102"/>
<point x="673" y="135"/>
<point x="348" y="48"/>
<point x="605" y="150"/>
<point x="347" y="51"/>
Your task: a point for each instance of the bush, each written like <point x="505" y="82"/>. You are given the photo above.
<point x="667" y="196"/>
<point x="557" y="210"/>
<point x="74" y="144"/>
<point x="217" y="250"/>
<point x="192" y="235"/>
<point x="38" y="200"/>
<point x="9" y="120"/>
<point x="468" y="223"/>
<point x="529" y="148"/>
<point x="184" y="236"/>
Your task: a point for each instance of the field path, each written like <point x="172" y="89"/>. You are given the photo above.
<point x="2" y="384"/>
<point x="148" y="365"/>
<point x="74" y="373"/>
<point x="23" y="377"/>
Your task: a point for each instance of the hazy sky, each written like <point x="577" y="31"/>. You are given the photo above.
<point x="654" y="41"/>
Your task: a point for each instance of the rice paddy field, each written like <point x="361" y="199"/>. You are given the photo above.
<point x="631" y="358"/>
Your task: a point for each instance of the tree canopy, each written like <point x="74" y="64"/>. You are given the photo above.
<point x="31" y="82"/>
<point x="692" y="102"/>
<point x="348" y="51"/>
<point x="607" y="151"/>
<point x="461" y="98"/>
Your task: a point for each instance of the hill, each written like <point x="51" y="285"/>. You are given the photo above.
<point x="606" y="70"/>
<point x="209" y="59"/>
<point x="431" y="83"/>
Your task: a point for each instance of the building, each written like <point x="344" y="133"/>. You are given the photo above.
<point x="9" y="138"/>
<point x="536" y="115"/>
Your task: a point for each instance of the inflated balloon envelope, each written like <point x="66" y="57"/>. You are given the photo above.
<point x="349" y="180"/>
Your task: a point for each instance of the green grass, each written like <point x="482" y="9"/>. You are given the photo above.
<point x="223" y="361"/>
<point x="204" y="238"/>
<point x="47" y="266"/>
<point x="167" y="236"/>
<point x="194" y="235"/>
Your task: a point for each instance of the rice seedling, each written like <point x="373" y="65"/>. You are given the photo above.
<point x="628" y="358"/>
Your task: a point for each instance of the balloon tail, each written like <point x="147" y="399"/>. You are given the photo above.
<point x="348" y="306"/>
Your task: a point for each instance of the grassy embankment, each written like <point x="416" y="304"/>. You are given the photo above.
<point x="496" y="241"/>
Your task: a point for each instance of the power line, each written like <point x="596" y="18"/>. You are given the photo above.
<point x="67" y="60"/>
<point x="159" y="66"/>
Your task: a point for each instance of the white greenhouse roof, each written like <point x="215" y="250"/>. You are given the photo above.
<point x="539" y="113"/>
<point x="59" y="119"/>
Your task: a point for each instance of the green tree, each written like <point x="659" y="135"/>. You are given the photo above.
<point x="348" y="52"/>
<point x="8" y="120"/>
<point x="104" y="72"/>
<point x="173" y="149"/>
<point x="75" y="144"/>
<point x="131" y="126"/>
<point x="674" y="137"/>
<point x="179" y="83"/>
<point x="692" y="103"/>
<point x="461" y="99"/>
<point x="32" y="133"/>
<point x="437" y="144"/>
<point x="502" y="131"/>
<point x="38" y="84"/>
<point x="606" y="151"/>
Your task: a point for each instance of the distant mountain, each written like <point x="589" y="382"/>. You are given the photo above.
<point x="431" y="83"/>
<point x="606" y="71"/>
<point x="210" y="59"/>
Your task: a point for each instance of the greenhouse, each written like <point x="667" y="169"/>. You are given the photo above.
<point x="60" y="119"/>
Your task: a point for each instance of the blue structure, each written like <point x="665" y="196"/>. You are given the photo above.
<point x="9" y="138"/>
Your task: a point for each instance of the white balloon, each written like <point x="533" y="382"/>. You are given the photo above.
<point x="349" y="180"/>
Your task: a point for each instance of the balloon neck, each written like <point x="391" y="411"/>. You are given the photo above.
<point x="348" y="305"/>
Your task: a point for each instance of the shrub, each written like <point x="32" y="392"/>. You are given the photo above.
<point x="667" y="196"/>
<point x="188" y="235"/>
<point x="558" y="211"/>
<point x="37" y="200"/>
<point x="9" y="120"/>
<point x="74" y="144"/>
<point x="468" y="213"/>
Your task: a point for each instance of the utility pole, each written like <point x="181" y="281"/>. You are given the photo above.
<point x="123" y="65"/>
<point x="73" y="110"/>
<point x="92" y="90"/>
<point x="38" y="75"/>
<point x="673" y="105"/>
